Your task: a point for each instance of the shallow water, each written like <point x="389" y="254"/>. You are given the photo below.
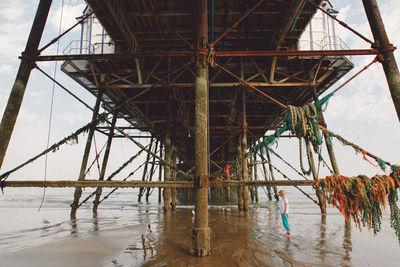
<point x="253" y="240"/>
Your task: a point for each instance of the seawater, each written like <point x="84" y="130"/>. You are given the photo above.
<point x="255" y="240"/>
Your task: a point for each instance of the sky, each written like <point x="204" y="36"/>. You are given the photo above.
<point x="362" y="111"/>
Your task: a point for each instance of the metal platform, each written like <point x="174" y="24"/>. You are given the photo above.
<point x="160" y="80"/>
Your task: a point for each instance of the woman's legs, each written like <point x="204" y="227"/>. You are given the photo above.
<point x="285" y="221"/>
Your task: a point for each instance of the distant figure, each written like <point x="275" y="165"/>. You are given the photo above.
<point x="284" y="210"/>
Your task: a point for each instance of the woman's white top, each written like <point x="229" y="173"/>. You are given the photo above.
<point x="282" y="205"/>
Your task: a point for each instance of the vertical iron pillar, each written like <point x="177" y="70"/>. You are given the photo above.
<point x="271" y="170"/>
<point x="104" y="164"/>
<point x="201" y="231"/>
<point x="321" y="202"/>
<point x="386" y="49"/>
<point x="167" y="172"/>
<point x="27" y="64"/>
<point x="245" y="168"/>
<point x="173" y="190"/>
<point x="82" y="173"/>
<point x="329" y="147"/>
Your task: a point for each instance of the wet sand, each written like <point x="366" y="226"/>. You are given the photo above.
<point x="254" y="240"/>
<point x="95" y="249"/>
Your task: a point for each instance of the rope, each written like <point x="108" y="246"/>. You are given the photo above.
<point x="304" y="123"/>
<point x="287" y="163"/>
<point x="301" y="157"/>
<point x="51" y="108"/>
<point x="284" y="176"/>
<point x="322" y="159"/>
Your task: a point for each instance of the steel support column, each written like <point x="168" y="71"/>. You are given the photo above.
<point x="255" y="176"/>
<point x="173" y="190"/>
<point x="319" y="194"/>
<point x="167" y="172"/>
<point x="18" y="90"/>
<point x="382" y="42"/>
<point x="245" y="168"/>
<point x="104" y="164"/>
<point x="329" y="147"/>
<point x="271" y="170"/>
<point x="240" y="189"/>
<point x="78" y="191"/>
<point x="201" y="231"/>
<point x="146" y="165"/>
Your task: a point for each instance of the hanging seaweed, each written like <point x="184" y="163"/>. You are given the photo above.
<point x="362" y="198"/>
<point x="71" y="139"/>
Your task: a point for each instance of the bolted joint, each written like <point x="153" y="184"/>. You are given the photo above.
<point x="201" y="181"/>
<point x="29" y="59"/>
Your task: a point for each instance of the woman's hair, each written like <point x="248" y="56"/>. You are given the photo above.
<point x="283" y="192"/>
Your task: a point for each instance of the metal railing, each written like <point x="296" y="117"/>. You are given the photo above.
<point x="76" y="47"/>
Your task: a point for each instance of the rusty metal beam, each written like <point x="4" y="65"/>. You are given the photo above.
<point x="191" y="85"/>
<point x="349" y="52"/>
<point x="120" y="17"/>
<point x="150" y="184"/>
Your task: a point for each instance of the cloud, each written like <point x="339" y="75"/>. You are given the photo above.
<point x="69" y="14"/>
<point x="73" y="118"/>
<point x="15" y="24"/>
<point x="37" y="93"/>
<point x="14" y="10"/>
<point x="6" y="69"/>
<point x="27" y="116"/>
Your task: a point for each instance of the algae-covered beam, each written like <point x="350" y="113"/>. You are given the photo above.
<point x="18" y="90"/>
<point x="149" y="184"/>
<point x="82" y="173"/>
<point x="321" y="202"/>
<point x="104" y="163"/>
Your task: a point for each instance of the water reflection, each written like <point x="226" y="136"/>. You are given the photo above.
<point x="95" y="224"/>
<point x="322" y="241"/>
<point x="347" y="244"/>
<point x="74" y="228"/>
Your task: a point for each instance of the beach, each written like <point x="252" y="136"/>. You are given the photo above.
<point x="128" y="233"/>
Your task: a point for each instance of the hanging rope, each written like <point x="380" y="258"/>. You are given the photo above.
<point x="51" y="106"/>
<point x="320" y="158"/>
<point x="303" y="170"/>
<point x="287" y="178"/>
<point x="303" y="122"/>
<point x="287" y="163"/>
